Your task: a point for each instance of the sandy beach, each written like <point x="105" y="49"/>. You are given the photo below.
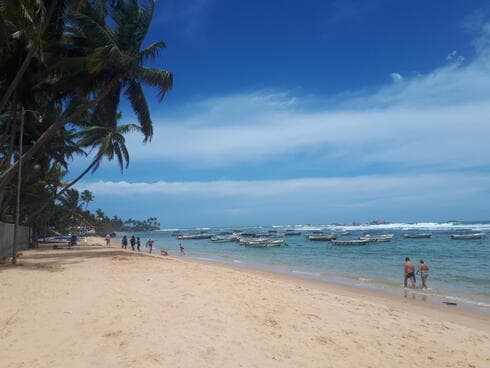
<point x="104" y="307"/>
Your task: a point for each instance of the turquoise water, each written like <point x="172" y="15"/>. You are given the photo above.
<point x="459" y="269"/>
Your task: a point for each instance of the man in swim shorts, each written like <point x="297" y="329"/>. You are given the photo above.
<point x="424" y="273"/>
<point x="409" y="272"/>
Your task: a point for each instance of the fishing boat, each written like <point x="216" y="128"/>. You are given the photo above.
<point x="292" y="233"/>
<point x="417" y="236"/>
<point x="245" y="241"/>
<point x="248" y="235"/>
<point x="377" y="238"/>
<point x="195" y="236"/>
<point x="223" y="239"/>
<point x="324" y="237"/>
<point x="255" y="242"/>
<point x="351" y="242"/>
<point x="275" y="243"/>
<point x="467" y="236"/>
<point x="62" y="239"/>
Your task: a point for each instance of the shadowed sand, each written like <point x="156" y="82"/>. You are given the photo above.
<point x="100" y="307"/>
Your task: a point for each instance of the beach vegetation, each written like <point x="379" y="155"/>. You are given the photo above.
<point x="66" y="65"/>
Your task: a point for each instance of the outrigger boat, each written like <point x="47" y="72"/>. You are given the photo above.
<point x="275" y="243"/>
<point x="351" y="242"/>
<point x="324" y="237"/>
<point x="467" y="236"/>
<point x="377" y="238"/>
<point x="261" y="242"/>
<point x="417" y="236"/>
<point x="61" y="239"/>
<point x="257" y="241"/>
<point x="224" y="239"/>
<point x="194" y="236"/>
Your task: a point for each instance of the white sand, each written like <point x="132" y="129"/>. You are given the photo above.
<point x="99" y="307"/>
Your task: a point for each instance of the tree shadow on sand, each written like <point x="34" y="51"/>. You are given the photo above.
<point x="53" y="260"/>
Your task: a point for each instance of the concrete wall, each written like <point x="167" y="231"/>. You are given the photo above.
<point x="7" y="237"/>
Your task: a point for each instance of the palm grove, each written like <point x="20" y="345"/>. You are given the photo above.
<point x="65" y="66"/>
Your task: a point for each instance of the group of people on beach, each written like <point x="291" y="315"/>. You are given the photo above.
<point x="409" y="271"/>
<point x="135" y="243"/>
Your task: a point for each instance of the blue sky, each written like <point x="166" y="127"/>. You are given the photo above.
<point x="312" y="112"/>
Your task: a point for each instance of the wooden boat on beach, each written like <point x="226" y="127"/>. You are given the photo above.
<point x="417" y="236"/>
<point x="467" y="236"/>
<point x="351" y="242"/>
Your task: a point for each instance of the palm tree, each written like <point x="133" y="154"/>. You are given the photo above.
<point x="109" y="142"/>
<point x="70" y="203"/>
<point x="112" y="58"/>
<point x="86" y="196"/>
<point x="25" y="22"/>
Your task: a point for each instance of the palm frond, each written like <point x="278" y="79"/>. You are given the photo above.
<point x="151" y="52"/>
<point x="136" y="97"/>
<point x="161" y="79"/>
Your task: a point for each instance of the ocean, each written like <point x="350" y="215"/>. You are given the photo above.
<point x="459" y="269"/>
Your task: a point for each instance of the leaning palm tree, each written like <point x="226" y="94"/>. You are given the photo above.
<point x="109" y="142"/>
<point x="111" y="54"/>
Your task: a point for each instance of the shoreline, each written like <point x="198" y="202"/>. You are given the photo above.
<point x="437" y="297"/>
<point x="409" y="301"/>
<point x="97" y="306"/>
<point x="417" y="296"/>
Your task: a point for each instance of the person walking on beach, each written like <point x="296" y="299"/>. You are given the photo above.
<point x="108" y="240"/>
<point x="409" y="272"/>
<point x="149" y="245"/>
<point x="182" y="250"/>
<point x="124" y="242"/>
<point x="138" y="243"/>
<point x="424" y="273"/>
<point x="73" y="240"/>
<point x="132" y="241"/>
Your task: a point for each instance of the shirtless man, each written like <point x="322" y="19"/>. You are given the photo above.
<point x="424" y="273"/>
<point x="409" y="272"/>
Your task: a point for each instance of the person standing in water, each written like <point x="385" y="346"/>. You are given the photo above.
<point x="409" y="272"/>
<point x="182" y="250"/>
<point x="424" y="273"/>
<point x="124" y="242"/>
<point x="149" y="245"/>
<point x="132" y="241"/>
<point x="138" y="243"/>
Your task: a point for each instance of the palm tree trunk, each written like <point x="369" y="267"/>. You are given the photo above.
<point x="8" y="174"/>
<point x="79" y="177"/>
<point x="27" y="60"/>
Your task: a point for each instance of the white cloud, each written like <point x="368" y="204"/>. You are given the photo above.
<point x="440" y="118"/>
<point x="397" y="197"/>
<point x="396" y="77"/>
<point x="338" y="190"/>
